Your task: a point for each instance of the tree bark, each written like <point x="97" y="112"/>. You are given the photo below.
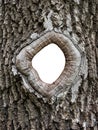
<point x="21" y="22"/>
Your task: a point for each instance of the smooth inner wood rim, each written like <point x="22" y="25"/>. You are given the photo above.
<point x="69" y="73"/>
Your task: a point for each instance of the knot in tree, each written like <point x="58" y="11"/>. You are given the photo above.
<point x="70" y="100"/>
<point x="69" y="73"/>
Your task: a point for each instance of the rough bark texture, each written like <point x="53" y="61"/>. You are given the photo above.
<point x="22" y="20"/>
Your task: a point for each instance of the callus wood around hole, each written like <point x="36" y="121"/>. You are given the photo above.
<point x="71" y="69"/>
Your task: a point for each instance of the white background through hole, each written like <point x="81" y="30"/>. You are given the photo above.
<point x="49" y="63"/>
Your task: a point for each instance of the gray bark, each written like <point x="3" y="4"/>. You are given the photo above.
<point x="21" y="22"/>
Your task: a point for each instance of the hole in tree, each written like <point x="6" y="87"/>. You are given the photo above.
<point x="49" y="63"/>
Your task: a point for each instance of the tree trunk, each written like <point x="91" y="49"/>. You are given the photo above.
<point x="23" y="21"/>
